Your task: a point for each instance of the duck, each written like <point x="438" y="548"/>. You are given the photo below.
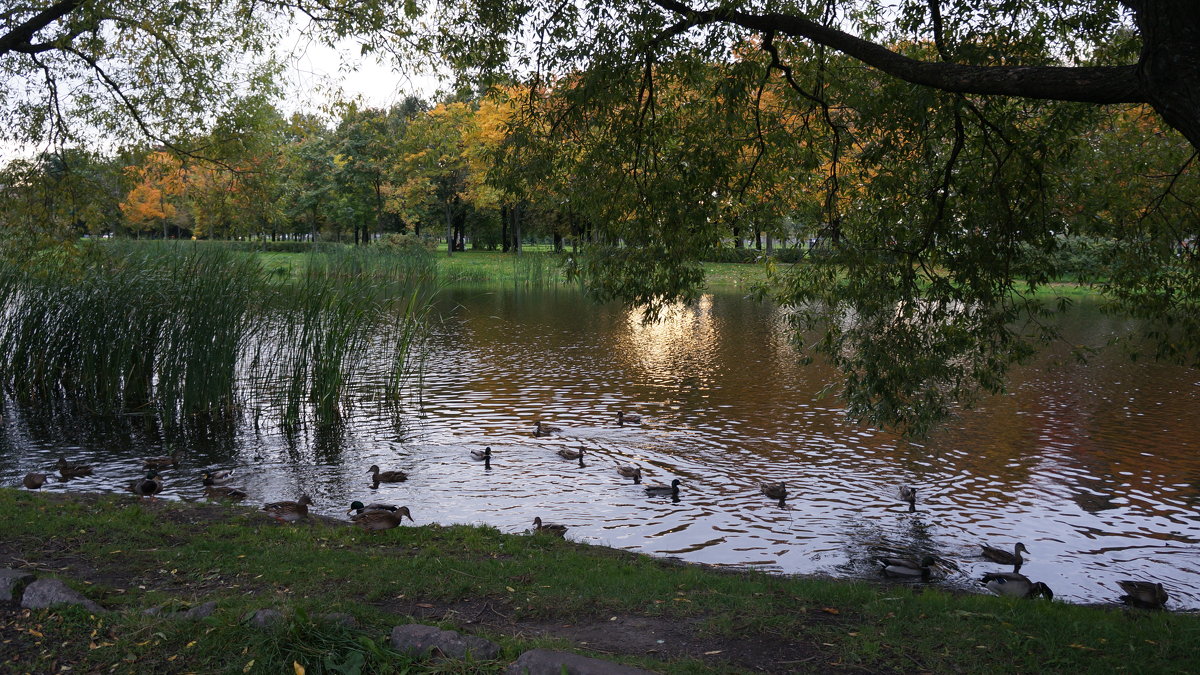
<point x="904" y="566"/>
<point x="1016" y="585"/>
<point x="774" y="491"/>
<point x="164" y="462"/>
<point x="484" y="456"/>
<point x="623" y="419"/>
<point x="381" y="519"/>
<point x="223" y="492"/>
<point x="34" y="480"/>
<point x="671" y="490"/>
<point x="218" y="477"/>
<point x="540" y="429"/>
<point x="908" y="493"/>
<point x="1146" y="594"/>
<point x="1004" y="557"/>
<point x="289" y="511"/>
<point x="357" y="507"/>
<point x="148" y="486"/>
<point x="549" y="528"/>
<point x="567" y="453"/>
<point x="386" y="476"/>
<point x="68" y="471"/>
<point x="634" y="472"/>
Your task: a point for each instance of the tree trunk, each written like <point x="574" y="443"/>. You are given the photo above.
<point x="449" y="230"/>
<point x="1169" y="68"/>
<point x="504" y="243"/>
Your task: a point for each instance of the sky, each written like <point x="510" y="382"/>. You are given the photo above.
<point x="318" y="75"/>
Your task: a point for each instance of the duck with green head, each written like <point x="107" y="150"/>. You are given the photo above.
<point x="148" y="486"/>
<point x="1015" y="585"/>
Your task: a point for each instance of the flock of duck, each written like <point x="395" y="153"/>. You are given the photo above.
<point x="379" y="516"/>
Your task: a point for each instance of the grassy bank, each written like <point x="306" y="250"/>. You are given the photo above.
<point x="520" y="591"/>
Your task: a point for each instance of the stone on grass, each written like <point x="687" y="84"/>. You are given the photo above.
<point x="420" y="640"/>
<point x="342" y="618"/>
<point x="550" y="662"/>
<point x="11" y="583"/>
<point x="45" y="593"/>
<point x="199" y="611"/>
<point x="264" y="618"/>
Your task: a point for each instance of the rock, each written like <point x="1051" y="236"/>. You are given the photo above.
<point x="12" y="582"/>
<point x="264" y="618"/>
<point x="199" y="611"/>
<point x="420" y="640"/>
<point x="343" y="618"/>
<point x="49" y="592"/>
<point x="549" y="662"/>
<point x="153" y="611"/>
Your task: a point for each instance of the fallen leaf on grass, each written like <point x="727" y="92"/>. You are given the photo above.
<point x="715" y="651"/>
<point x="246" y="668"/>
<point x="426" y="605"/>
<point x="1090" y="649"/>
<point x="298" y="668"/>
<point x="830" y="610"/>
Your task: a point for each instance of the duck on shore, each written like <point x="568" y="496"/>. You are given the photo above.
<point x="34" y="480"/>
<point x="289" y="512"/>
<point x="548" y="528"/>
<point x="1016" y="585"/>
<point x="1144" y="594"/>
<point x="148" y="486"/>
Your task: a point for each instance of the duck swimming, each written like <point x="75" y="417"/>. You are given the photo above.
<point x="671" y="490"/>
<point x="634" y="472"/>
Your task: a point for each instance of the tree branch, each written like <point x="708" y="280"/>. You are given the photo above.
<point x="1107" y="84"/>
<point x="21" y="37"/>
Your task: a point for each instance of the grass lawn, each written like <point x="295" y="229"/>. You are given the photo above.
<point x="520" y="591"/>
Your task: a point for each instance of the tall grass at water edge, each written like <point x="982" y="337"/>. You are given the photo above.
<point x="186" y="329"/>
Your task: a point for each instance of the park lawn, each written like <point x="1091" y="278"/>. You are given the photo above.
<point x="521" y="591"/>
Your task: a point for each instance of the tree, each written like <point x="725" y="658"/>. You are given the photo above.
<point x="936" y="180"/>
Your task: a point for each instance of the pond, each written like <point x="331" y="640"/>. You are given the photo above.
<point x="1095" y="468"/>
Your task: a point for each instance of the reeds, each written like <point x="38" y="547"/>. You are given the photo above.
<point x="189" y="329"/>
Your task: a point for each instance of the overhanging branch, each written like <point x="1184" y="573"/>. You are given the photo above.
<point x="1107" y="84"/>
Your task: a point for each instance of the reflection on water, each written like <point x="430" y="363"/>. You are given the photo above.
<point x="1095" y="469"/>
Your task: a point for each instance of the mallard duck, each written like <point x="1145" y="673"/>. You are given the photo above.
<point x="482" y="455"/>
<point x="1005" y="557"/>
<point x="386" y="476"/>
<point x="540" y="429"/>
<point x="357" y="507"/>
<point x="1147" y="594"/>
<point x="634" y="472"/>
<point x="148" y="486"/>
<point x="774" y="491"/>
<point x="903" y="566"/>
<point x="164" y="462"/>
<point x="623" y="419"/>
<point x="67" y="470"/>
<point x="1015" y="585"/>
<point x="549" y="528"/>
<point x="671" y="490"/>
<point x="380" y="519"/>
<point x="224" y="492"/>
<point x="220" y="477"/>
<point x="567" y="453"/>
<point x="289" y="511"/>
<point x="908" y="493"/>
<point x="34" y="480"/>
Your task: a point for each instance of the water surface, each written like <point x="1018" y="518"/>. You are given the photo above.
<point x="1095" y="468"/>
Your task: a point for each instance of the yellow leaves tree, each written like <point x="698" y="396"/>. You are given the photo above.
<point x="158" y="182"/>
